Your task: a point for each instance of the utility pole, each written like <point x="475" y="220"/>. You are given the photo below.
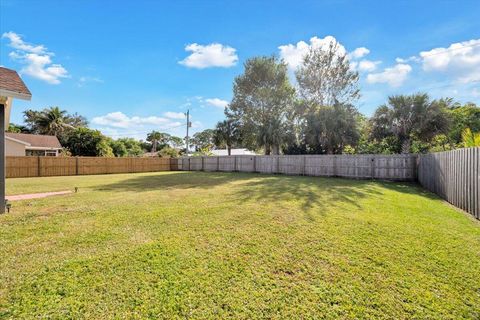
<point x="188" y="125"/>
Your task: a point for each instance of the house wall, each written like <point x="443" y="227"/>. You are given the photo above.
<point x="13" y="148"/>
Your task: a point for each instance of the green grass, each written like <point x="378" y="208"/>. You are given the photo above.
<point x="210" y="245"/>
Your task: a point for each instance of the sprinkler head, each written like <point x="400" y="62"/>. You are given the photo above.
<point x="8" y="205"/>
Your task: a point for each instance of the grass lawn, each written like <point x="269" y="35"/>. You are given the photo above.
<point x="211" y="245"/>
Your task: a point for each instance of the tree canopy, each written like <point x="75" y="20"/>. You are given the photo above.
<point x="325" y="77"/>
<point x="262" y="97"/>
<point x="411" y="117"/>
<point x="227" y="134"/>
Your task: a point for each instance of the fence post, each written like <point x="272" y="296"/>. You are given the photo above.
<point x="39" y="166"/>
<point x="76" y="166"/>
<point x="304" y="167"/>
<point x="254" y="163"/>
<point x="235" y="164"/>
<point x="203" y="163"/>
<point x="372" y="168"/>
<point x="334" y="166"/>
<point x="218" y="163"/>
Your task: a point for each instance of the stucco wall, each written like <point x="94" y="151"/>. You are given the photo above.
<point x="13" y="148"/>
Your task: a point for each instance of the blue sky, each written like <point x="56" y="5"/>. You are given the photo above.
<point x="134" y="66"/>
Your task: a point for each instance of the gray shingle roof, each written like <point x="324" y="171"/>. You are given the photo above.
<point x="36" y="140"/>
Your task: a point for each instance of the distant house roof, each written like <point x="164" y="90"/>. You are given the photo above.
<point x="151" y="154"/>
<point x="11" y="85"/>
<point x="234" y="152"/>
<point x="35" y="141"/>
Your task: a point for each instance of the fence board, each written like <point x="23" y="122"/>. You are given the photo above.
<point x="17" y="167"/>
<point x="454" y="176"/>
<point x="387" y="167"/>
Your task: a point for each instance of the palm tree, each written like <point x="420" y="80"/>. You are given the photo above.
<point x="470" y="139"/>
<point x="226" y="133"/>
<point x="272" y="136"/>
<point x="156" y="138"/>
<point x="52" y="121"/>
<point x="407" y="116"/>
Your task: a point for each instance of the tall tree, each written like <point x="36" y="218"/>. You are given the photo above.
<point x="227" y="133"/>
<point x="329" y="129"/>
<point x="325" y="77"/>
<point x="158" y="139"/>
<point x="53" y="121"/>
<point x="203" y="140"/>
<point x="176" y="142"/>
<point x="126" y="147"/>
<point x="88" y="142"/>
<point x="410" y="117"/>
<point x="262" y="98"/>
<point x="463" y="116"/>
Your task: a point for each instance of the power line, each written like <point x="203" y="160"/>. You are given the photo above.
<point x="144" y="132"/>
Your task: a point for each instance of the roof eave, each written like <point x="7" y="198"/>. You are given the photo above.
<point x="13" y="94"/>
<point x="16" y="140"/>
<point x="42" y="148"/>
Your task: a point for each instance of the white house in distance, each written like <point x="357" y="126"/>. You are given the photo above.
<point x="23" y="144"/>
<point x="234" y="152"/>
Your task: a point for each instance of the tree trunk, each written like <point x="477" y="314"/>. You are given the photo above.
<point x="229" y="150"/>
<point x="406" y="146"/>
<point x="267" y="150"/>
<point x="154" y="146"/>
<point x="276" y="150"/>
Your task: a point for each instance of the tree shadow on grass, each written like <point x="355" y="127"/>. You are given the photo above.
<point x="310" y="192"/>
<point x="173" y="180"/>
<point x="412" y="188"/>
<point x="320" y="192"/>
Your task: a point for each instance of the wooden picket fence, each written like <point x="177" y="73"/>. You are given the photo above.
<point x="17" y="167"/>
<point x="454" y="176"/>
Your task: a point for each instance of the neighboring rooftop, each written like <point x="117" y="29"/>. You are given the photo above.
<point x="36" y="140"/>
<point x="11" y="85"/>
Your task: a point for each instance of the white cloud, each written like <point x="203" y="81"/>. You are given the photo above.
<point x="211" y="55"/>
<point x="394" y="76"/>
<point x="462" y="60"/>
<point x="84" y="80"/>
<point x="174" y="115"/>
<point x="409" y="59"/>
<point x="36" y="60"/>
<point x="293" y="54"/>
<point x="16" y="42"/>
<point x="365" y="65"/>
<point x="120" y="120"/>
<point x="117" y="125"/>
<point x="219" y="103"/>
<point x="358" y="53"/>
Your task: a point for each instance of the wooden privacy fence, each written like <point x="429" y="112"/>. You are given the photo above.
<point x="388" y="167"/>
<point x="454" y="176"/>
<point x="17" y="167"/>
